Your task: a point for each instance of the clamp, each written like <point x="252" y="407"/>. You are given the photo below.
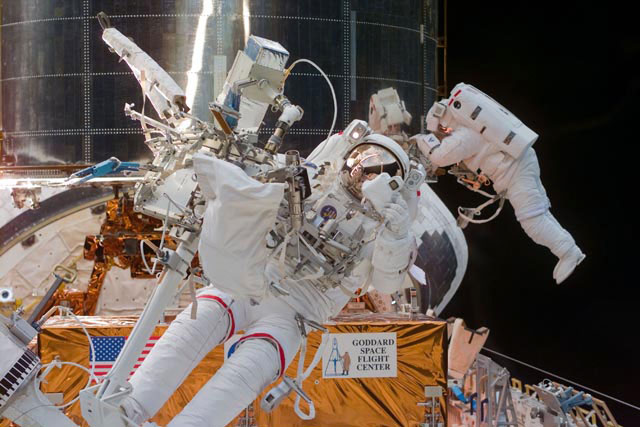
<point x="112" y="165"/>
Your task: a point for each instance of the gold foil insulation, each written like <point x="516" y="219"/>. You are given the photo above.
<point x="118" y="244"/>
<point x="421" y="351"/>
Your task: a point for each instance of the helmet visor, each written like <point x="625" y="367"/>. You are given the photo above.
<point x="364" y="163"/>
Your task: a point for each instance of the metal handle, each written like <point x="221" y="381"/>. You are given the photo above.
<point x="103" y="20"/>
<point x="70" y="275"/>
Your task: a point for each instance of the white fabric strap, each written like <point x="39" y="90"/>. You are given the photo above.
<point x="144" y="85"/>
<point x="302" y="375"/>
<point x="194" y="300"/>
<point x="498" y="197"/>
<point x="283" y="253"/>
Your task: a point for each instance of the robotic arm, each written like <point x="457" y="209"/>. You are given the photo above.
<point x="168" y="192"/>
<point x="163" y="92"/>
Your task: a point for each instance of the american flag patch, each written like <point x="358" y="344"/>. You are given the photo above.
<point x="108" y="349"/>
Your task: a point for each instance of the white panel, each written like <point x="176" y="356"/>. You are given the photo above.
<point x="82" y="225"/>
<point x="37" y="267"/>
<point x="122" y="295"/>
<point x="28" y="270"/>
<point x="8" y="211"/>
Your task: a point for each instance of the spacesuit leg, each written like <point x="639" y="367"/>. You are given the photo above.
<point x="531" y="204"/>
<point x="260" y="357"/>
<point x="180" y="349"/>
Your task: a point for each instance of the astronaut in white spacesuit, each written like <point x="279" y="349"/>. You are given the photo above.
<point x="471" y="127"/>
<point x="271" y="333"/>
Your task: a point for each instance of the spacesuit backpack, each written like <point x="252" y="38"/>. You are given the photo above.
<point x="471" y="108"/>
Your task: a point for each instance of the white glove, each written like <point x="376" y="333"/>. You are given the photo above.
<point x="396" y="215"/>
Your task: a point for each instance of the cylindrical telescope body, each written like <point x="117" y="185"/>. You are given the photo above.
<point x="63" y="92"/>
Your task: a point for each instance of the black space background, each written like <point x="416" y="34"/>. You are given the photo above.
<point x="569" y="71"/>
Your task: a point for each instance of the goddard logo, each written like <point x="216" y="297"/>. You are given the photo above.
<point x="370" y="355"/>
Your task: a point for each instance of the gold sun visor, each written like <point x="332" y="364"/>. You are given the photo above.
<point x="366" y="162"/>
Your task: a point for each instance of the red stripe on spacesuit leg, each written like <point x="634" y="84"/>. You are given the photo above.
<point x="456" y="94"/>
<point x="267" y="336"/>
<point x="226" y="307"/>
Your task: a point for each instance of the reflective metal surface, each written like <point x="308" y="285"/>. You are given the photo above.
<point x="346" y="402"/>
<point x="365" y="163"/>
<point x="64" y="92"/>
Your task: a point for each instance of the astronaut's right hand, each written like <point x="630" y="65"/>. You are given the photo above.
<point x="396" y="215"/>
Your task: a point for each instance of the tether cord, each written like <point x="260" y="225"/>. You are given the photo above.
<point x="562" y="378"/>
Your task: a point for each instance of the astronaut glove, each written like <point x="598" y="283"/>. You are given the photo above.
<point x="396" y="216"/>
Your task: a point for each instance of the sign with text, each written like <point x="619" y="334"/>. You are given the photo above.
<point x="370" y="355"/>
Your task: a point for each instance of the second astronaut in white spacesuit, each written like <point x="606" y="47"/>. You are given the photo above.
<point x="271" y="334"/>
<point x="476" y="130"/>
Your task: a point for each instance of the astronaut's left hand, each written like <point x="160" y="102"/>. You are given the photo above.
<point x="396" y="215"/>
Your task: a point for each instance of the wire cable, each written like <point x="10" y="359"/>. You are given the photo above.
<point x="90" y="371"/>
<point x="637" y="408"/>
<point x="58" y="364"/>
<point x="333" y="92"/>
<point x="37" y="379"/>
<point x="144" y="258"/>
<point x="22" y="414"/>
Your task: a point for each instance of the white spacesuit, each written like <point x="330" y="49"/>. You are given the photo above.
<point x="478" y="131"/>
<point x="271" y="333"/>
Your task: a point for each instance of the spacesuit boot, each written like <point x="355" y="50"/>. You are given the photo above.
<point x="567" y="263"/>
<point x="545" y="230"/>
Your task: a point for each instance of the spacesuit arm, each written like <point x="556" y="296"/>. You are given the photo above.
<point x="461" y="144"/>
<point x="393" y="249"/>
<point x="391" y="258"/>
<point x="327" y="150"/>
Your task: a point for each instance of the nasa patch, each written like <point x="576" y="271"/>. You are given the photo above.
<point x="328" y="212"/>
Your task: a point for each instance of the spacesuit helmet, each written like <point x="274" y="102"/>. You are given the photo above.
<point x="374" y="155"/>
<point x="388" y="114"/>
<point x="439" y="118"/>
